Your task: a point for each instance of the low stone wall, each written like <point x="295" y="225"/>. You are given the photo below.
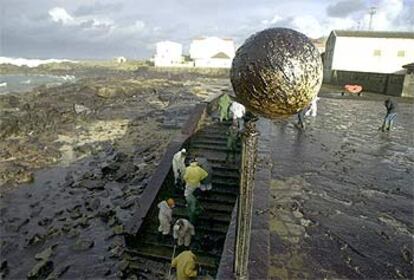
<point x="408" y="89"/>
<point x="389" y="84"/>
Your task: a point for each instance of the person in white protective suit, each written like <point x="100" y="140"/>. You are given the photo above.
<point x="313" y="108"/>
<point x="183" y="231"/>
<point x="238" y="110"/>
<point x="165" y="215"/>
<point x="178" y="165"/>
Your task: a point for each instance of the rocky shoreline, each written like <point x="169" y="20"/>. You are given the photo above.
<point x="83" y="153"/>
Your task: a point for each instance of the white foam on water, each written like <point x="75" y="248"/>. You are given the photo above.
<point x="31" y="62"/>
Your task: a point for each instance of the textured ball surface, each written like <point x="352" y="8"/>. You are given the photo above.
<point x="276" y="72"/>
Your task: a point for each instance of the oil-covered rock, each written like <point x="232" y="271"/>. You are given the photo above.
<point x="276" y="72"/>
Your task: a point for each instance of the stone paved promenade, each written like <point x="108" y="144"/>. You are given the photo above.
<point x="338" y="199"/>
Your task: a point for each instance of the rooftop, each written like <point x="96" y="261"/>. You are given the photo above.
<point x="373" y="34"/>
<point x="221" y="55"/>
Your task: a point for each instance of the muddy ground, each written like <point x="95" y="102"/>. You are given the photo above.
<point x="74" y="160"/>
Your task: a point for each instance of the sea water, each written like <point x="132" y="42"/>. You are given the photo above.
<point x="26" y="82"/>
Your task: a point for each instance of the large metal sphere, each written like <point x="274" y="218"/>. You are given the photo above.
<point x="276" y="72"/>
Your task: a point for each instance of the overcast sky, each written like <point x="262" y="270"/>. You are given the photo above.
<point x="79" y="29"/>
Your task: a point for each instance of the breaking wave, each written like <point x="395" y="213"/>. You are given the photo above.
<point x="31" y="62"/>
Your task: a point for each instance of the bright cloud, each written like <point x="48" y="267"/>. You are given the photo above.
<point x="60" y="15"/>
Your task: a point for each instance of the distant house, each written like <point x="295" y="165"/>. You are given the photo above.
<point x="121" y="59"/>
<point x="168" y="54"/>
<point x="212" y="52"/>
<point x="408" y="86"/>
<point x="372" y="59"/>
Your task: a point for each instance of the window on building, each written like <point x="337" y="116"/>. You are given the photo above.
<point x="377" y="52"/>
<point x="401" y="53"/>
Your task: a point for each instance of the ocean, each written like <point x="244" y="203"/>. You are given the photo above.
<point x="23" y="83"/>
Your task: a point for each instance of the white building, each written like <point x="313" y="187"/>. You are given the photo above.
<point x="168" y="54"/>
<point x="212" y="52"/>
<point x="369" y="58"/>
<point x="120" y="59"/>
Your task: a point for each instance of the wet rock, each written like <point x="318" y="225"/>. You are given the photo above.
<point x="116" y="252"/>
<point x="45" y="221"/>
<point x="35" y="239"/>
<point x="109" y="167"/>
<point x="84" y="222"/>
<point x="128" y="203"/>
<point x="149" y="158"/>
<point x="41" y="270"/>
<point x="46" y="254"/>
<point x="53" y="232"/>
<point x="73" y="233"/>
<point x="4" y="269"/>
<point x="106" y="214"/>
<point x="407" y="255"/>
<point x="58" y="272"/>
<point x="123" y="265"/>
<point x="81" y="109"/>
<point x="119" y="229"/>
<point x="125" y="173"/>
<point x="75" y="215"/>
<point x="92" y="184"/>
<point x="82" y="245"/>
<point x="93" y="204"/>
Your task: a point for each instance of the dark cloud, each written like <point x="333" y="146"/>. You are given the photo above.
<point x="345" y="8"/>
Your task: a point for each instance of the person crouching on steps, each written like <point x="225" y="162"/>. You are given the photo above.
<point x="183" y="231"/>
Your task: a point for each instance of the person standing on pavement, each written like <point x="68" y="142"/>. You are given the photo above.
<point x="238" y="110"/>
<point x="390" y="115"/>
<point x="224" y="104"/>
<point x="178" y="165"/>
<point x="165" y="215"/>
<point x="301" y="117"/>
<point x="313" y="109"/>
<point x="186" y="265"/>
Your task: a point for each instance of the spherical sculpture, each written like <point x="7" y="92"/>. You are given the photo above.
<point x="276" y="72"/>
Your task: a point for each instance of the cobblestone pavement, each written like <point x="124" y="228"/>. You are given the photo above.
<point x="342" y="194"/>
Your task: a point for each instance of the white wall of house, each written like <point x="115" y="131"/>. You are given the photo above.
<point x="168" y="54"/>
<point x="203" y="50"/>
<point x="377" y="55"/>
<point x="213" y="63"/>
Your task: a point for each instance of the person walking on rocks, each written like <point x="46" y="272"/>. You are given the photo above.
<point x="238" y="111"/>
<point x="233" y="135"/>
<point x="183" y="231"/>
<point x="193" y="176"/>
<point x="186" y="265"/>
<point x="165" y="215"/>
<point x="224" y="104"/>
<point x="390" y="115"/>
<point x="178" y="165"/>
